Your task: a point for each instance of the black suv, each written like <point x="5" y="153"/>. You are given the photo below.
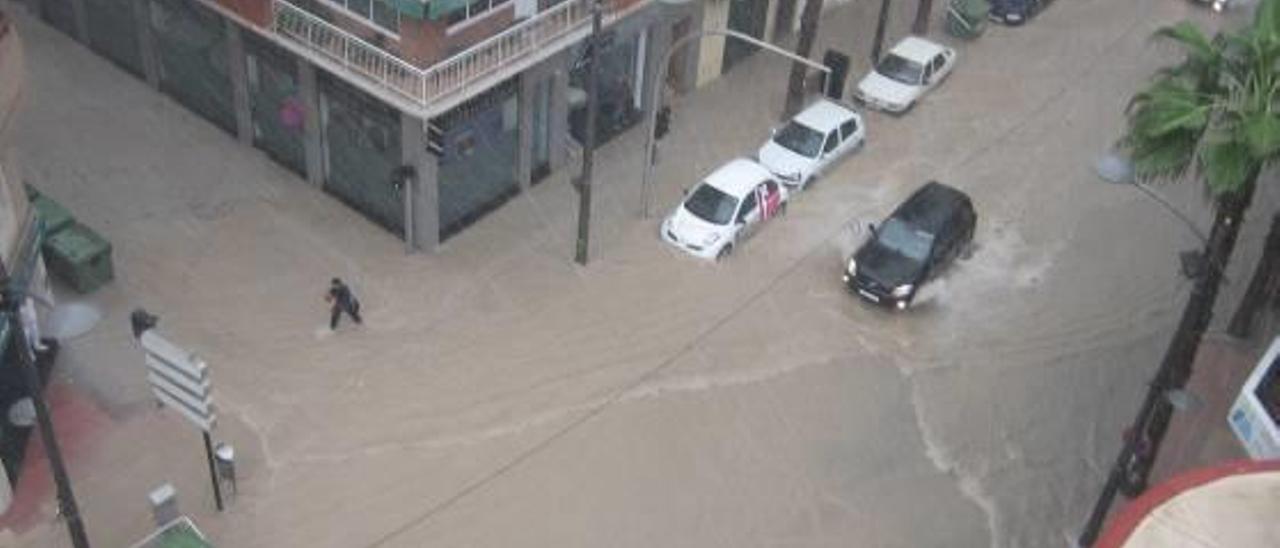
<point x="917" y="242"/>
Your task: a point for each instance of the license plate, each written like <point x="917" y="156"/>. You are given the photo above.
<point x="868" y="295"/>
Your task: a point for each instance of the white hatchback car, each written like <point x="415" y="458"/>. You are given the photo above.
<point x="811" y="141"/>
<point x="725" y="209"/>
<point x="912" y="67"/>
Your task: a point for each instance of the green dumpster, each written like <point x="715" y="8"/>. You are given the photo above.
<point x="55" y="216"/>
<point x="80" y="257"/>
<point x="967" y="18"/>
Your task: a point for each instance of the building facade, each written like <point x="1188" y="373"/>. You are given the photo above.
<point x="421" y="115"/>
<point x="21" y="266"/>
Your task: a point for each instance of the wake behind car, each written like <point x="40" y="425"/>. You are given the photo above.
<point x="906" y="73"/>
<point x="813" y="140"/>
<point x="725" y="209"/>
<point x="916" y="243"/>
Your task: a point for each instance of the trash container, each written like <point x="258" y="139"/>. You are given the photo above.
<point x="839" y="65"/>
<point x="224" y="455"/>
<point x="55" y="217"/>
<point x="967" y="18"/>
<point x="80" y="257"/>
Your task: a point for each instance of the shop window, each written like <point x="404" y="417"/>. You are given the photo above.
<point x="380" y="13"/>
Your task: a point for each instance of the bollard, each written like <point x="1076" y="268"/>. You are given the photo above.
<point x="225" y="457"/>
<point x="164" y="504"/>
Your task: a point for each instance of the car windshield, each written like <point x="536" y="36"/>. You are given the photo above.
<point x="905" y="240"/>
<point x="800" y="139"/>
<point x="711" y="205"/>
<point x="900" y="69"/>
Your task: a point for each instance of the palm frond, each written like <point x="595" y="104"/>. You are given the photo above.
<point x="1266" y="19"/>
<point x="1199" y="47"/>
<point x="1261" y="133"/>
<point x="1166" y="157"/>
<point x="1225" y="166"/>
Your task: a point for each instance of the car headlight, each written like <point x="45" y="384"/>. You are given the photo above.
<point x="903" y="290"/>
<point x="852" y="266"/>
<point x="711" y="239"/>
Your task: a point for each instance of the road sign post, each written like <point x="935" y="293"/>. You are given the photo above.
<point x="180" y="380"/>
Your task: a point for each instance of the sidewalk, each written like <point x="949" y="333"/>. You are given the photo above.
<point x="1201" y="437"/>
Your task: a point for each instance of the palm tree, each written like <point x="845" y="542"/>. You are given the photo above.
<point x="1214" y="114"/>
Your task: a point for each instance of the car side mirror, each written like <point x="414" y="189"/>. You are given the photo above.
<point x="773" y="132"/>
<point x="685" y="191"/>
<point x="872" y="228"/>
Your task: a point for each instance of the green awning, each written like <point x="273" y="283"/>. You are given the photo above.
<point x="440" y="8"/>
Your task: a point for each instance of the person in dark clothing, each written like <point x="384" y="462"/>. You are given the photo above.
<point x="342" y="301"/>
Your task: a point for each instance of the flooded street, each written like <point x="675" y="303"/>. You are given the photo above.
<point x="497" y="395"/>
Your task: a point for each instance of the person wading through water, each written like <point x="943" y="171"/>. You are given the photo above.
<point x="341" y="300"/>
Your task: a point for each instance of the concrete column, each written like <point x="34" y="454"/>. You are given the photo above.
<point x="82" y="21"/>
<point x="424" y="219"/>
<point x="558" y="119"/>
<point x="659" y="41"/>
<point x="525" y="97"/>
<point x="147" y="42"/>
<point x="309" y="92"/>
<point x="238" y="67"/>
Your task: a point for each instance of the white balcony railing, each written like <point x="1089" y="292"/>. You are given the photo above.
<point x="384" y="69"/>
<point x="424" y="86"/>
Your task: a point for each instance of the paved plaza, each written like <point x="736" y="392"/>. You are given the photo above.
<point x="500" y="395"/>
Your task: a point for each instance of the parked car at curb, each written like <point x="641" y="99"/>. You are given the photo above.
<point x="916" y="243"/>
<point x="725" y="209"/>
<point x="911" y="68"/>
<point x="1014" y="12"/>
<point x="811" y="141"/>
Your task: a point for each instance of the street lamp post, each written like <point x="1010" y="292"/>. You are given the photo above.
<point x="1166" y="391"/>
<point x="650" y="133"/>
<point x="589" y="147"/>
<point x="1117" y="169"/>
<point x="14" y="295"/>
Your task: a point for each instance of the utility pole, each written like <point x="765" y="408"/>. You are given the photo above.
<point x="589" y="147"/>
<point x="13" y="299"/>
<point x="879" y="39"/>
<point x="808" y="33"/>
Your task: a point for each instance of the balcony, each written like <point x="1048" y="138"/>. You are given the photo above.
<point x="434" y="90"/>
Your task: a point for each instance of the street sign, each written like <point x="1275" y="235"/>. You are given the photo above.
<point x="179" y="379"/>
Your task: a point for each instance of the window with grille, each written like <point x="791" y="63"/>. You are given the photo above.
<point x="382" y="14"/>
<point x="473" y="10"/>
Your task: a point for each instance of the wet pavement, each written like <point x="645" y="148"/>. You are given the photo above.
<point x="498" y="395"/>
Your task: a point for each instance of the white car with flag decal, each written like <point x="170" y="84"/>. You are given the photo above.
<point x="724" y="210"/>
